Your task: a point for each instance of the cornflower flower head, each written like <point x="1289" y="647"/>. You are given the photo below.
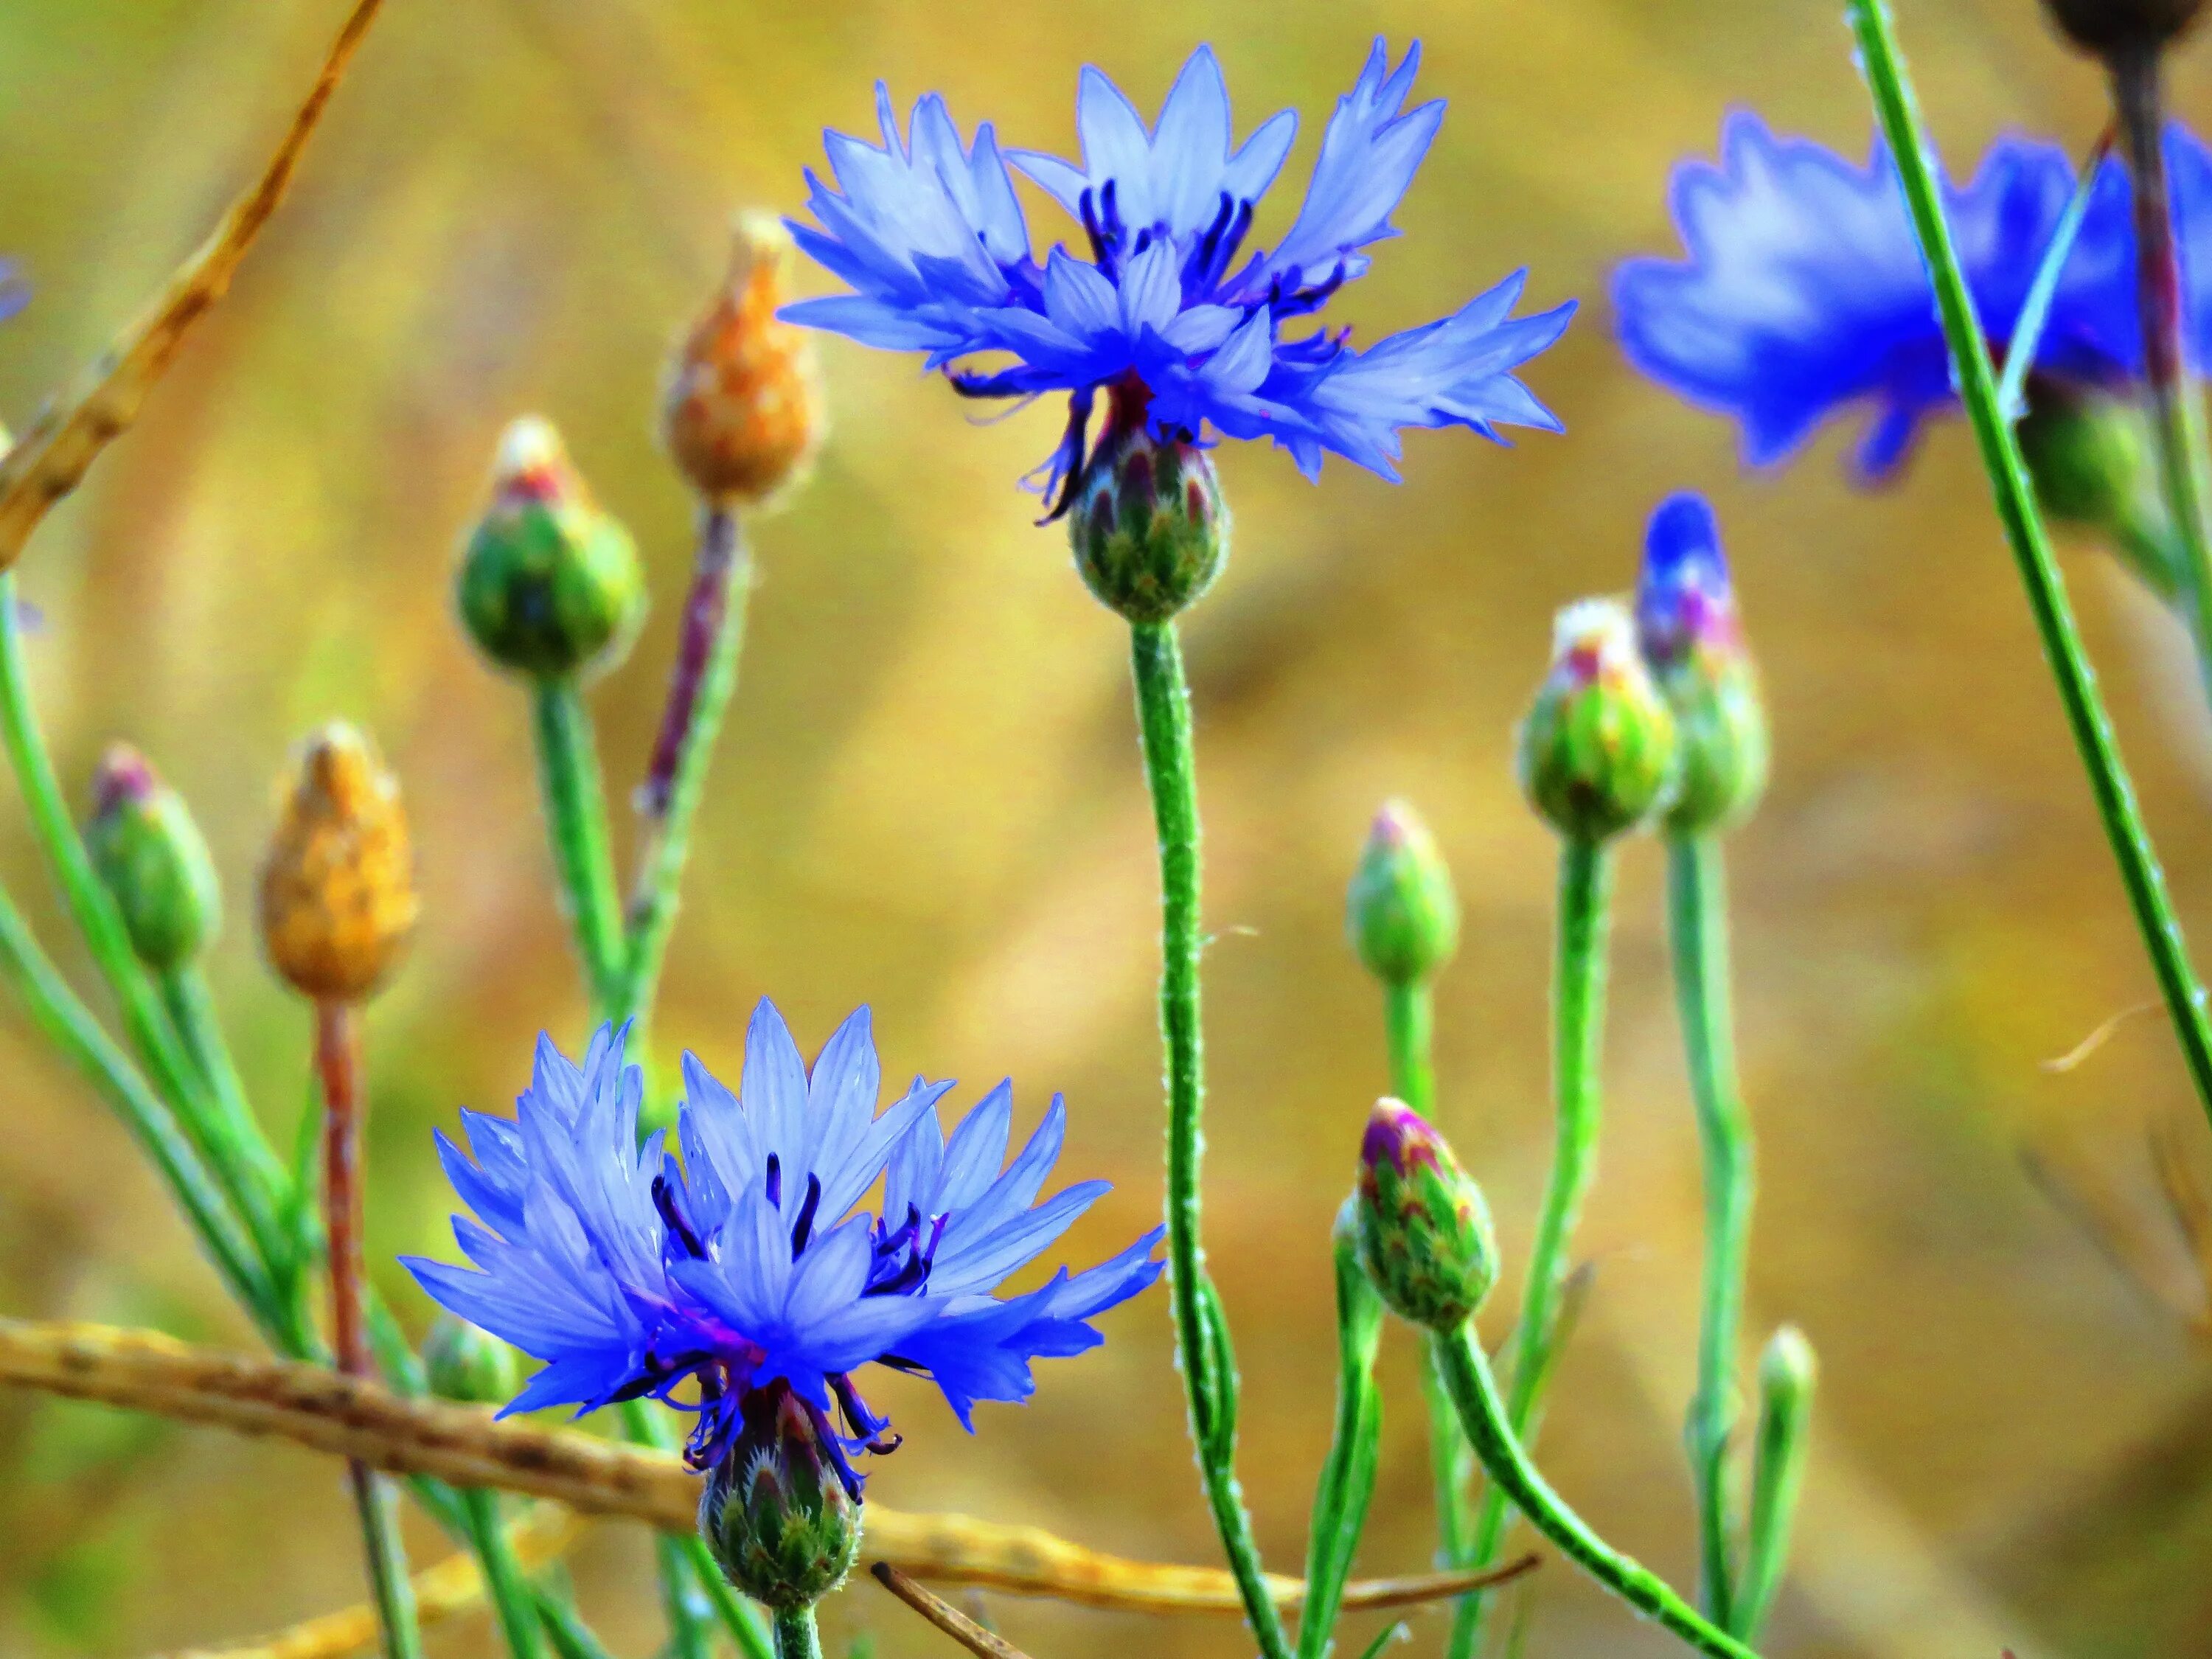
<point x="745" y="1266"/>
<point x="1801" y="294"/>
<point x="1185" y="341"/>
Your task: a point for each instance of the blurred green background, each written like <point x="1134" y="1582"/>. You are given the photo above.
<point x="929" y="798"/>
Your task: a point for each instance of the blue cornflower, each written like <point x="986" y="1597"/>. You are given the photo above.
<point x="1803" y="292"/>
<point x="747" y="1265"/>
<point x="1187" y="341"/>
<point x="15" y="293"/>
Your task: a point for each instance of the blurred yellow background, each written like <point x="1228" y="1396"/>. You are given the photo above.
<point x="929" y="798"/>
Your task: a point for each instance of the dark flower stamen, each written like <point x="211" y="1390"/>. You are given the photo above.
<point x="803" y="1229"/>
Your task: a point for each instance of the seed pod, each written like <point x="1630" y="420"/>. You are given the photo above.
<point x="1425" y="1234"/>
<point x="153" y="860"/>
<point x="1401" y="914"/>
<point x="1692" y="640"/>
<point x="2104" y="27"/>
<point x="548" y="586"/>
<point x="2093" y="465"/>
<point x="338" y="884"/>
<point x="777" y="1512"/>
<point x="742" y="412"/>
<point x="1597" y="751"/>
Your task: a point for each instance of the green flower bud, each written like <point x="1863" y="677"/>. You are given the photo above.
<point x="468" y="1363"/>
<point x="153" y="860"/>
<point x="1402" y="915"/>
<point x="2093" y="465"/>
<point x="1692" y="641"/>
<point x="1786" y="1372"/>
<point x="1598" y="751"/>
<point x="777" y="1512"/>
<point x="549" y="585"/>
<point x="1149" y="527"/>
<point x="2106" y="26"/>
<point x="1425" y="1232"/>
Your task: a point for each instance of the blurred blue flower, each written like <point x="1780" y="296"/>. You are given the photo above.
<point x="927" y="232"/>
<point x="630" y="1275"/>
<point x="15" y="292"/>
<point x="1803" y="293"/>
<point x="1684" y="600"/>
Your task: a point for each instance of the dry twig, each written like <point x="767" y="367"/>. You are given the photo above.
<point x="349" y="1417"/>
<point x="51" y="458"/>
<point x="983" y="1644"/>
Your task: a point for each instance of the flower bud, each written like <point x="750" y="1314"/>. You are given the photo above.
<point x="153" y="860"/>
<point x="741" y="412"/>
<point x="2105" y="27"/>
<point x="338" y="884"/>
<point x="1425" y="1232"/>
<point x="2093" y="465"/>
<point x="1693" y="642"/>
<point x="1787" y="1372"/>
<point x="776" y="1511"/>
<point x="1598" y="750"/>
<point x="549" y="585"/>
<point x="1149" y="527"/>
<point x="469" y="1363"/>
<point x="1402" y="915"/>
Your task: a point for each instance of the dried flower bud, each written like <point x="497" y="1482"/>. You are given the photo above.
<point x="777" y="1512"/>
<point x="1692" y="641"/>
<point x="338" y="884"/>
<point x="742" y="410"/>
<point x="469" y="1363"/>
<point x="549" y="585"/>
<point x="1425" y="1231"/>
<point x="2106" y="26"/>
<point x="1597" y="751"/>
<point x="2092" y="463"/>
<point x="1148" y="523"/>
<point x="153" y="860"/>
<point x="1402" y="915"/>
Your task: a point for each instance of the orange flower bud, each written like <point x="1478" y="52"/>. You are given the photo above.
<point x="338" y="884"/>
<point x="742" y="412"/>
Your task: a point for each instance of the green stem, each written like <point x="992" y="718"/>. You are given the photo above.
<point x="2177" y="416"/>
<point x="1777" y="1474"/>
<point x="503" y="1578"/>
<point x="144" y="1021"/>
<point x="1409" y="1023"/>
<point x="576" y="822"/>
<point x="1484" y="1417"/>
<point x="739" y="1616"/>
<point x="391" y="1590"/>
<point x="691" y="1584"/>
<point x="191" y="1007"/>
<point x="1347" y="1477"/>
<point x="70" y="1026"/>
<point x="700" y="688"/>
<point x="1696" y="912"/>
<point x="1577" y="1039"/>
<point x="796" y="1637"/>
<point x="2023" y="527"/>
<point x="1209" y="1378"/>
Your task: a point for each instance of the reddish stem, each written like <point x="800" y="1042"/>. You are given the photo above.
<point x="338" y="1064"/>
<point x="703" y="609"/>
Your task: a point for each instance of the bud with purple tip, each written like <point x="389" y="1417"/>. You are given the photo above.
<point x="779" y="1512"/>
<point x="1425" y="1234"/>
<point x="1598" y="750"/>
<point x="153" y="860"/>
<point x="1401" y="914"/>
<point x="1692" y="641"/>
<point x="1148" y="523"/>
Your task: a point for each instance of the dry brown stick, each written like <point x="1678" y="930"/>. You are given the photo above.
<point x="353" y="1416"/>
<point x="983" y="1644"/>
<point x="51" y="458"/>
<point x="452" y="1587"/>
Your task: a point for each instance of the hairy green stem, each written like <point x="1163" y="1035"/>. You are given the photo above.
<point x="576" y="823"/>
<point x="1409" y="1023"/>
<point x="1347" y="1477"/>
<point x="1209" y="1376"/>
<point x="1485" y="1416"/>
<point x="701" y="685"/>
<point x="1697" y="915"/>
<point x="2024" y="532"/>
<point x="796" y="1637"/>
<point x="1577" y="1039"/>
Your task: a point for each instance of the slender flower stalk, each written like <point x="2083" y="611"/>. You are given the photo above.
<point x="1347" y="1477"/>
<point x="337" y="1066"/>
<point x="2178" y="414"/>
<point x="2091" y="727"/>
<point x="1487" y="1420"/>
<point x="1210" y="1381"/>
<point x="796" y="1636"/>
<point x="576" y="823"/>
